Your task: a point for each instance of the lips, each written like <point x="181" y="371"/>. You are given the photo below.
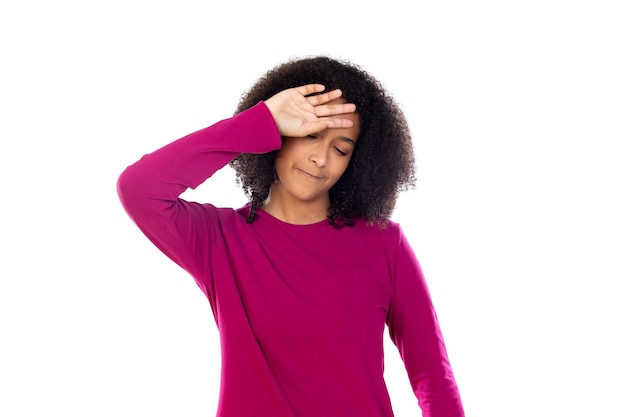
<point x="309" y="176"/>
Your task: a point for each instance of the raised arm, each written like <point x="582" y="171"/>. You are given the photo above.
<point x="150" y="188"/>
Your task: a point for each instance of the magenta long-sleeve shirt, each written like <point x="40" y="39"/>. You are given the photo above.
<point x="301" y="309"/>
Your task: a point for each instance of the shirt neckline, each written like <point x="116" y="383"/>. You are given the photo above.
<point x="267" y="216"/>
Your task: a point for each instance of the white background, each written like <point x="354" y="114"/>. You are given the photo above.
<point x="518" y="114"/>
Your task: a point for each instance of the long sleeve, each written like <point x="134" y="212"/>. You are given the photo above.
<point x="300" y="308"/>
<point x="414" y="329"/>
<point x="150" y="188"/>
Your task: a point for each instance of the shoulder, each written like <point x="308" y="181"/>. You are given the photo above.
<point x="390" y="228"/>
<point x="242" y="212"/>
<point x="388" y="235"/>
<point x="218" y="218"/>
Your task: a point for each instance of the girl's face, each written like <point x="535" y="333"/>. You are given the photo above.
<point x="308" y="167"/>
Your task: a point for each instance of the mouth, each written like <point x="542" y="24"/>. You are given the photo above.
<point x="309" y="176"/>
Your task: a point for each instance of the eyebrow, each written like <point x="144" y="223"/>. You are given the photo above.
<point x="350" y="141"/>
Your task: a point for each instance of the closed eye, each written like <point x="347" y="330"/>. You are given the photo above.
<point x="342" y="153"/>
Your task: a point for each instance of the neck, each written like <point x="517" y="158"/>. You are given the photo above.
<point x="293" y="211"/>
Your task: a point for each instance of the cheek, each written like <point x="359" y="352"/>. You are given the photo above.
<point x="341" y="167"/>
<point x="279" y="167"/>
<point x="289" y="151"/>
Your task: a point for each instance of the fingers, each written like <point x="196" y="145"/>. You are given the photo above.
<point x="305" y="90"/>
<point x="323" y="124"/>
<point x="324" y="98"/>
<point x="318" y="99"/>
<point x="335" y="122"/>
<point x="307" y="109"/>
<point x="334" y="109"/>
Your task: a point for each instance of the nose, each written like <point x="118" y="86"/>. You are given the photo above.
<point x="319" y="155"/>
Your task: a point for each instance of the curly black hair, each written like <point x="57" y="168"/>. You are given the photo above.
<point x="383" y="163"/>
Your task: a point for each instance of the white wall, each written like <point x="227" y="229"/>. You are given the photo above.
<point x="518" y="114"/>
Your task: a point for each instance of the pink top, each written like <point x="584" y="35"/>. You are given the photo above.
<point x="300" y="309"/>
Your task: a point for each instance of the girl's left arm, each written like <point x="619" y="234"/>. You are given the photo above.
<point x="414" y="328"/>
